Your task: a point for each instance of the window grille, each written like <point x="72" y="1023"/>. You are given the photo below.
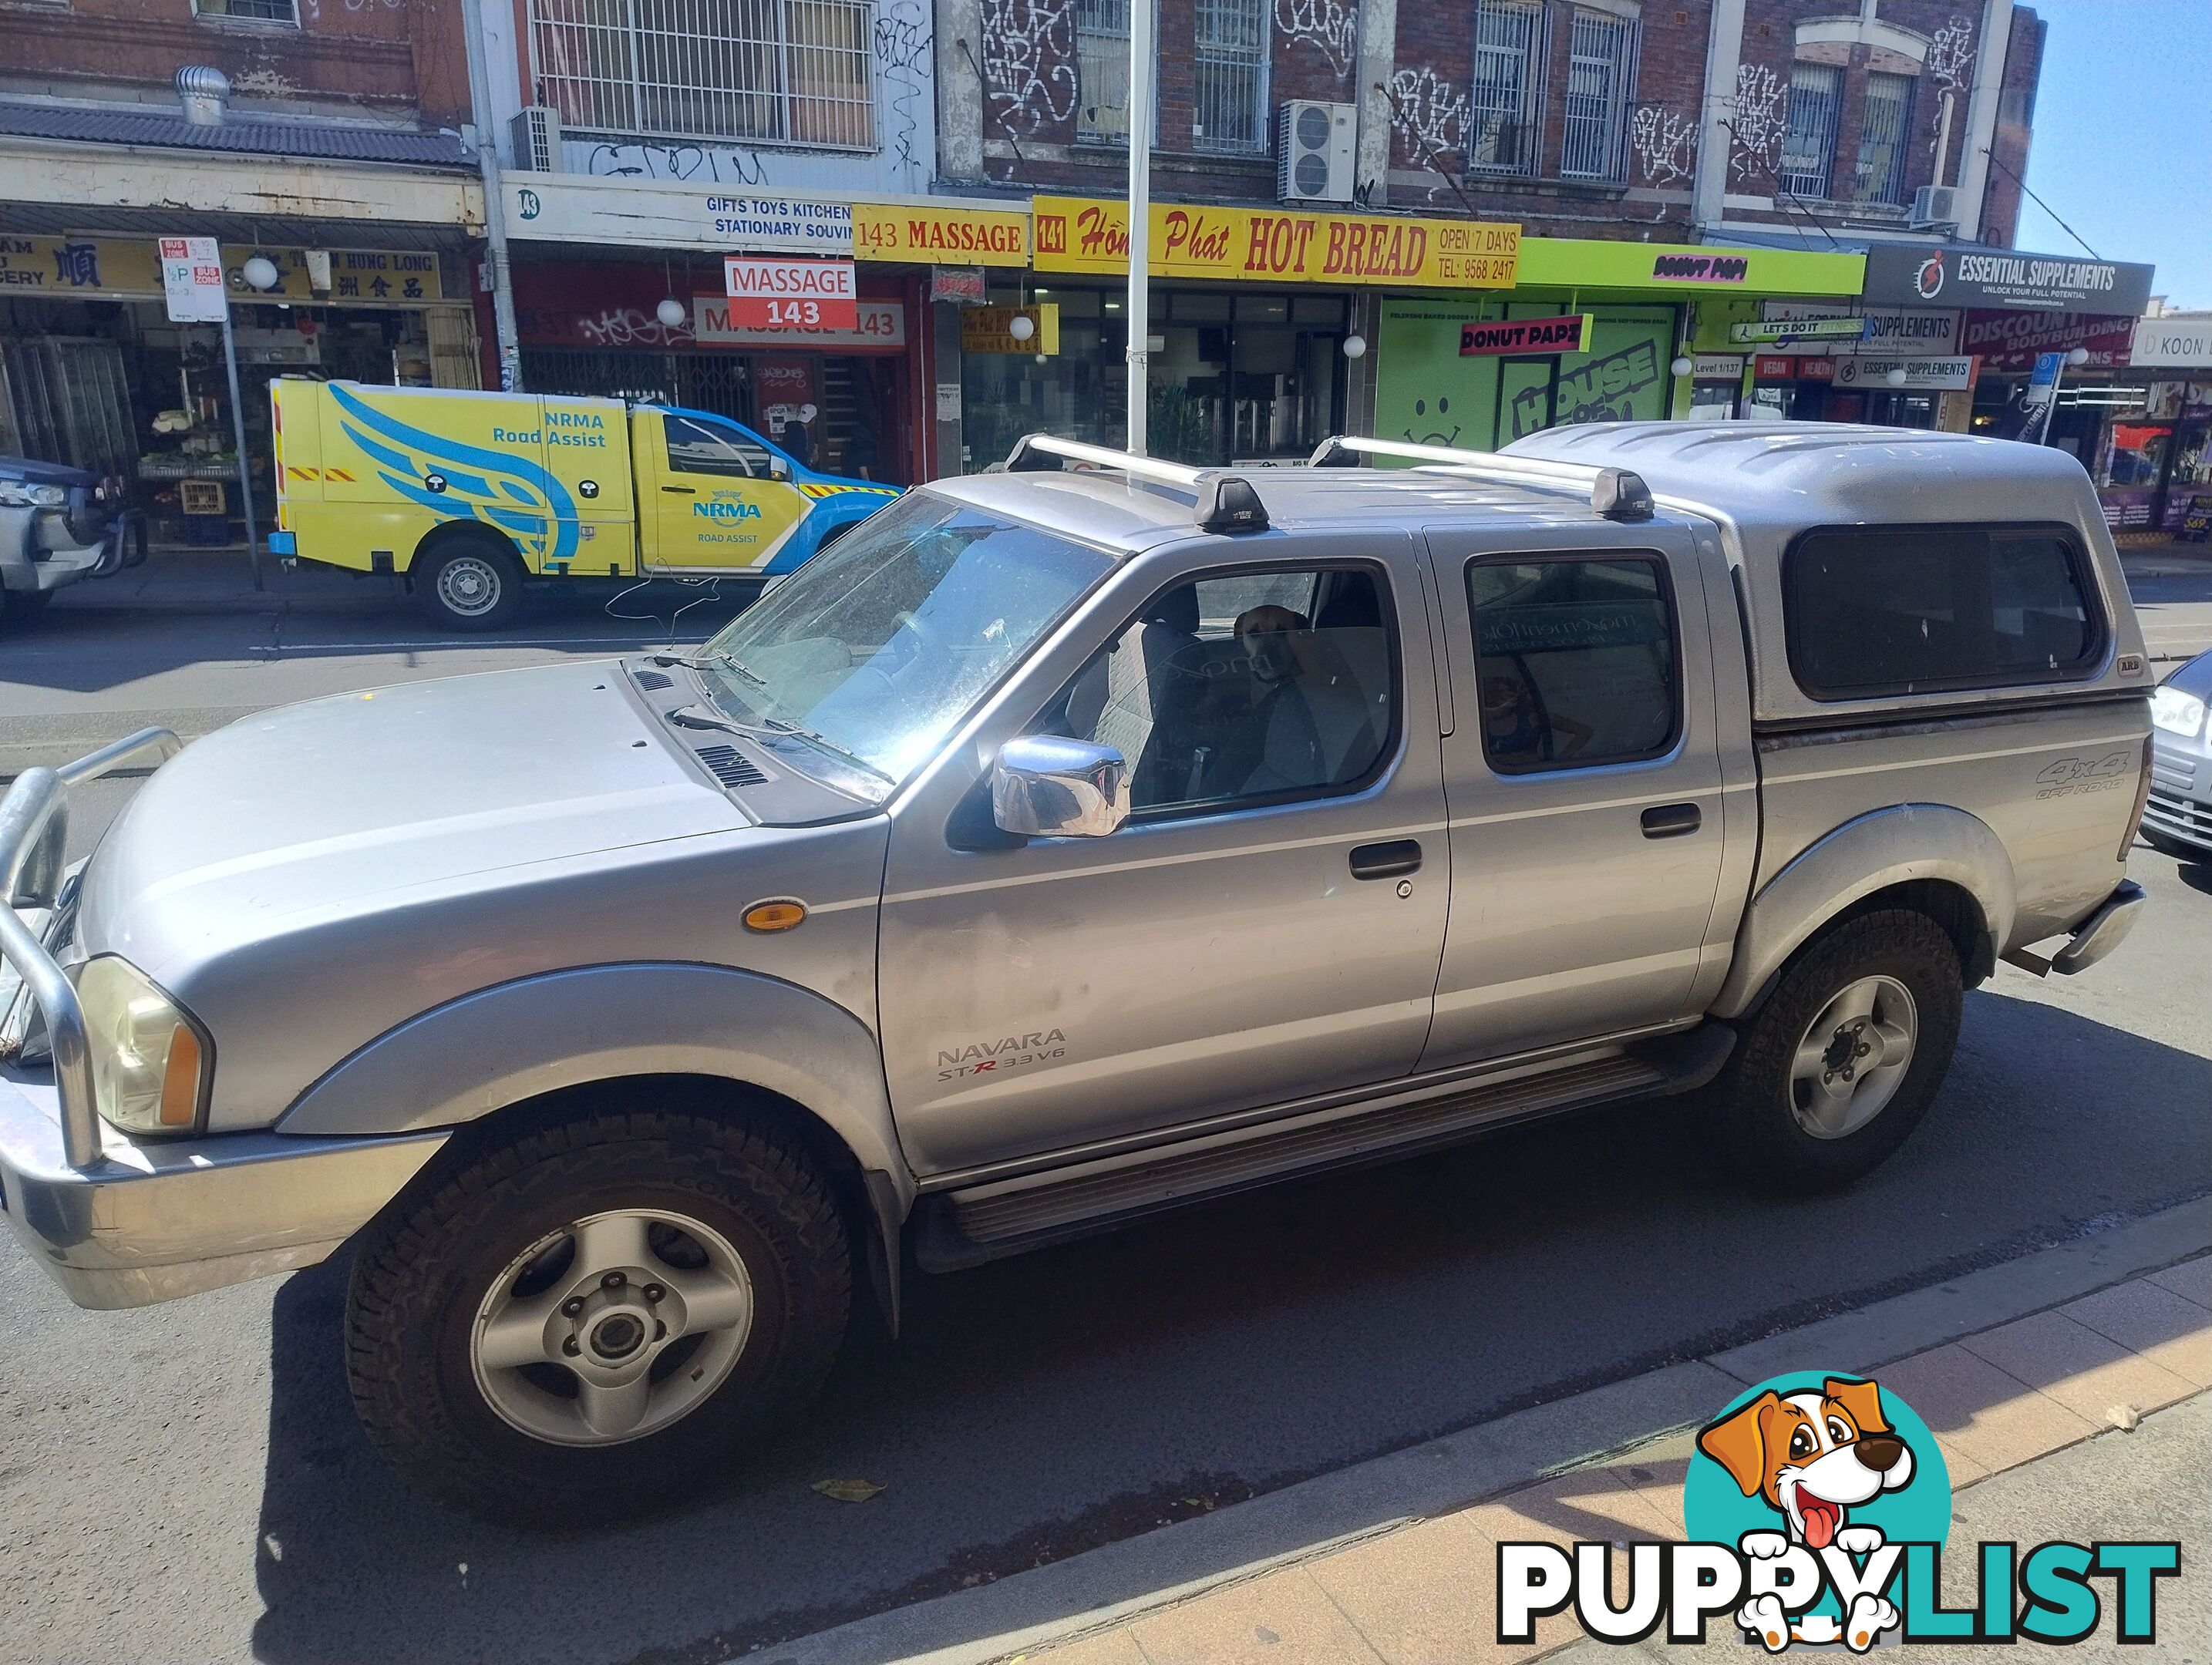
<point x="794" y="72"/>
<point x="1102" y="69"/>
<point x="1880" y="175"/>
<point x="1232" y="76"/>
<point x="1505" y="111"/>
<point x="1808" y="141"/>
<point x="1601" y="85"/>
<point x="256" y="11"/>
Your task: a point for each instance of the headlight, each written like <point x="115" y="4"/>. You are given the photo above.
<point x="21" y="494"/>
<point x="2175" y="712"/>
<point x="150" y="1064"/>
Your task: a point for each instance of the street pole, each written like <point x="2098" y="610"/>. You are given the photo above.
<point x="503" y="282"/>
<point x="238" y="433"/>
<point x="1139" y="306"/>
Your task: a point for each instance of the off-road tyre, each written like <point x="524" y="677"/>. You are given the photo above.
<point x="422" y="1271"/>
<point x="471" y="583"/>
<point x="1756" y="1129"/>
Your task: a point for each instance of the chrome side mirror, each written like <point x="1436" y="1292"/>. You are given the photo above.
<point x="1049" y="787"/>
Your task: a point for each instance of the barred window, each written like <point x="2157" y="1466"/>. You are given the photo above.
<point x="256" y="11"/>
<point x="1808" y="141"/>
<point x="1232" y="76"/>
<point x="1880" y="176"/>
<point x="1505" y="111"/>
<point x="1102" y="69"/>
<point x="789" y="71"/>
<point x="1601" y="84"/>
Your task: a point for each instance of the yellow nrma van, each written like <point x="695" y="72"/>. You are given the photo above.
<point x="471" y="495"/>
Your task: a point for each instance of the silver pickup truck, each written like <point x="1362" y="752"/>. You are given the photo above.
<point x="1064" y="845"/>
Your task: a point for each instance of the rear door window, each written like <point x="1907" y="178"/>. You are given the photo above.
<point x="1575" y="660"/>
<point x="1903" y="609"/>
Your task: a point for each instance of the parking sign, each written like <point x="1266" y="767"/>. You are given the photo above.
<point x="191" y="280"/>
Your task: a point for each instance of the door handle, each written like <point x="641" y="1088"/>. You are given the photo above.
<point x="1399" y="856"/>
<point x="1671" y="820"/>
<point x="689" y="491"/>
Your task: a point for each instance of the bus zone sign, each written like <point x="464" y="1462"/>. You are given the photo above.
<point x="791" y="295"/>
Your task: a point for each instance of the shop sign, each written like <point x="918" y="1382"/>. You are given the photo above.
<point x="1966" y="275"/>
<point x="1891" y="331"/>
<point x="963" y="286"/>
<point x="1860" y="371"/>
<point x="1778" y="330"/>
<point x="791" y="295"/>
<point x="941" y="236"/>
<point x="1246" y="245"/>
<point x="1717" y="366"/>
<point x="879" y="326"/>
<point x="564" y="209"/>
<point x="1528" y="335"/>
<point x="2005" y="340"/>
<point x="130" y="268"/>
<point x="192" y="281"/>
<point x="990" y="329"/>
<point x="2162" y="343"/>
<point x="1700" y="268"/>
<point x="1777" y="367"/>
<point x="2043" y="384"/>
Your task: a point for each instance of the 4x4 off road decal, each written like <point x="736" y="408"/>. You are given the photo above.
<point x="1816" y="1511"/>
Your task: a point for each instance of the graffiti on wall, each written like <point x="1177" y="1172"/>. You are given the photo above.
<point x="1756" y="114"/>
<point x="632" y="326"/>
<point x="1950" y="62"/>
<point x="1665" y="142"/>
<point x="1028" y="68"/>
<point x="1431" y="115"/>
<point x="903" y="57"/>
<point x="699" y="163"/>
<point x="1330" y="28"/>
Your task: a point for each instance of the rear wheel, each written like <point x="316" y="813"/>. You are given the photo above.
<point x="600" y="1318"/>
<point x="1835" y="1070"/>
<point x="470" y="584"/>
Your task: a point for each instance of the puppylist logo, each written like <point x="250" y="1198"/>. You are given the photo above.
<point x="1817" y="1510"/>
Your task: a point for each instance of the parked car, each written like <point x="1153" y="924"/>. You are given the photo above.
<point x="471" y="496"/>
<point x="1056" y="849"/>
<point x="2178" y="819"/>
<point x="57" y="525"/>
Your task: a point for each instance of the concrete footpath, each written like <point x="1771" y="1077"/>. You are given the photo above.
<point x="2068" y="1390"/>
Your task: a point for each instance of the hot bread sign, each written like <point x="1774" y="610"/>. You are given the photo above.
<point x="791" y="295"/>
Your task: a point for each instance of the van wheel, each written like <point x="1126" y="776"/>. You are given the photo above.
<point x="470" y="584"/>
<point x="599" y="1318"/>
<point x="1835" y="1070"/>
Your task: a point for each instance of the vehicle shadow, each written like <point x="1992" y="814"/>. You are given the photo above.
<point x="1040" y="1406"/>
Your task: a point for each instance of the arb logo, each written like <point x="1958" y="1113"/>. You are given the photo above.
<point x="1816" y="1511"/>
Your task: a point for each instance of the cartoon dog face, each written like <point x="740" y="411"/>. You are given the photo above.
<point x="1811" y="1455"/>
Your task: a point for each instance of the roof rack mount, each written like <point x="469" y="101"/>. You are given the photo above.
<point x="1225" y="503"/>
<point x="1617" y="493"/>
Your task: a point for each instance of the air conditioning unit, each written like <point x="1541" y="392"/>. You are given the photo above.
<point x="536" y="135"/>
<point x="1935" y="205"/>
<point x="1315" y="146"/>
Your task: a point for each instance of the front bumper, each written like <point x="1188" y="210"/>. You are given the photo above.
<point x="150" y="1221"/>
<point x="2180" y="802"/>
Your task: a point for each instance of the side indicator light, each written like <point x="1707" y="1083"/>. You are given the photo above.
<point x="782" y="914"/>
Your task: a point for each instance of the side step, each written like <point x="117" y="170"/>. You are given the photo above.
<point x="985" y="1221"/>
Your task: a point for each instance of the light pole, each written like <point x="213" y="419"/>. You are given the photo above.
<point x="1139" y="309"/>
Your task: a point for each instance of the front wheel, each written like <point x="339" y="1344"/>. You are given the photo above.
<point x="1835" y="1070"/>
<point x="470" y="584"/>
<point x="600" y="1318"/>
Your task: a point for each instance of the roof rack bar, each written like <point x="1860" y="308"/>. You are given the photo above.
<point x="1020" y="459"/>
<point x="1617" y="494"/>
<point x="1226" y="502"/>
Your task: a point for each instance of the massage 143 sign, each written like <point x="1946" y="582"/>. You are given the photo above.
<point x="1276" y="245"/>
<point x="791" y="295"/>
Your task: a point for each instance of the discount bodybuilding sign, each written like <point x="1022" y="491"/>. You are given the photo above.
<point x="1965" y="275"/>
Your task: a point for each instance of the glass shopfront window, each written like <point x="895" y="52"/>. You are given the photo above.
<point x="1235" y="376"/>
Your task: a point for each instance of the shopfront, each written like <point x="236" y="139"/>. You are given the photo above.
<point x="1259" y="320"/>
<point x="1449" y="372"/>
<point x="96" y="376"/>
